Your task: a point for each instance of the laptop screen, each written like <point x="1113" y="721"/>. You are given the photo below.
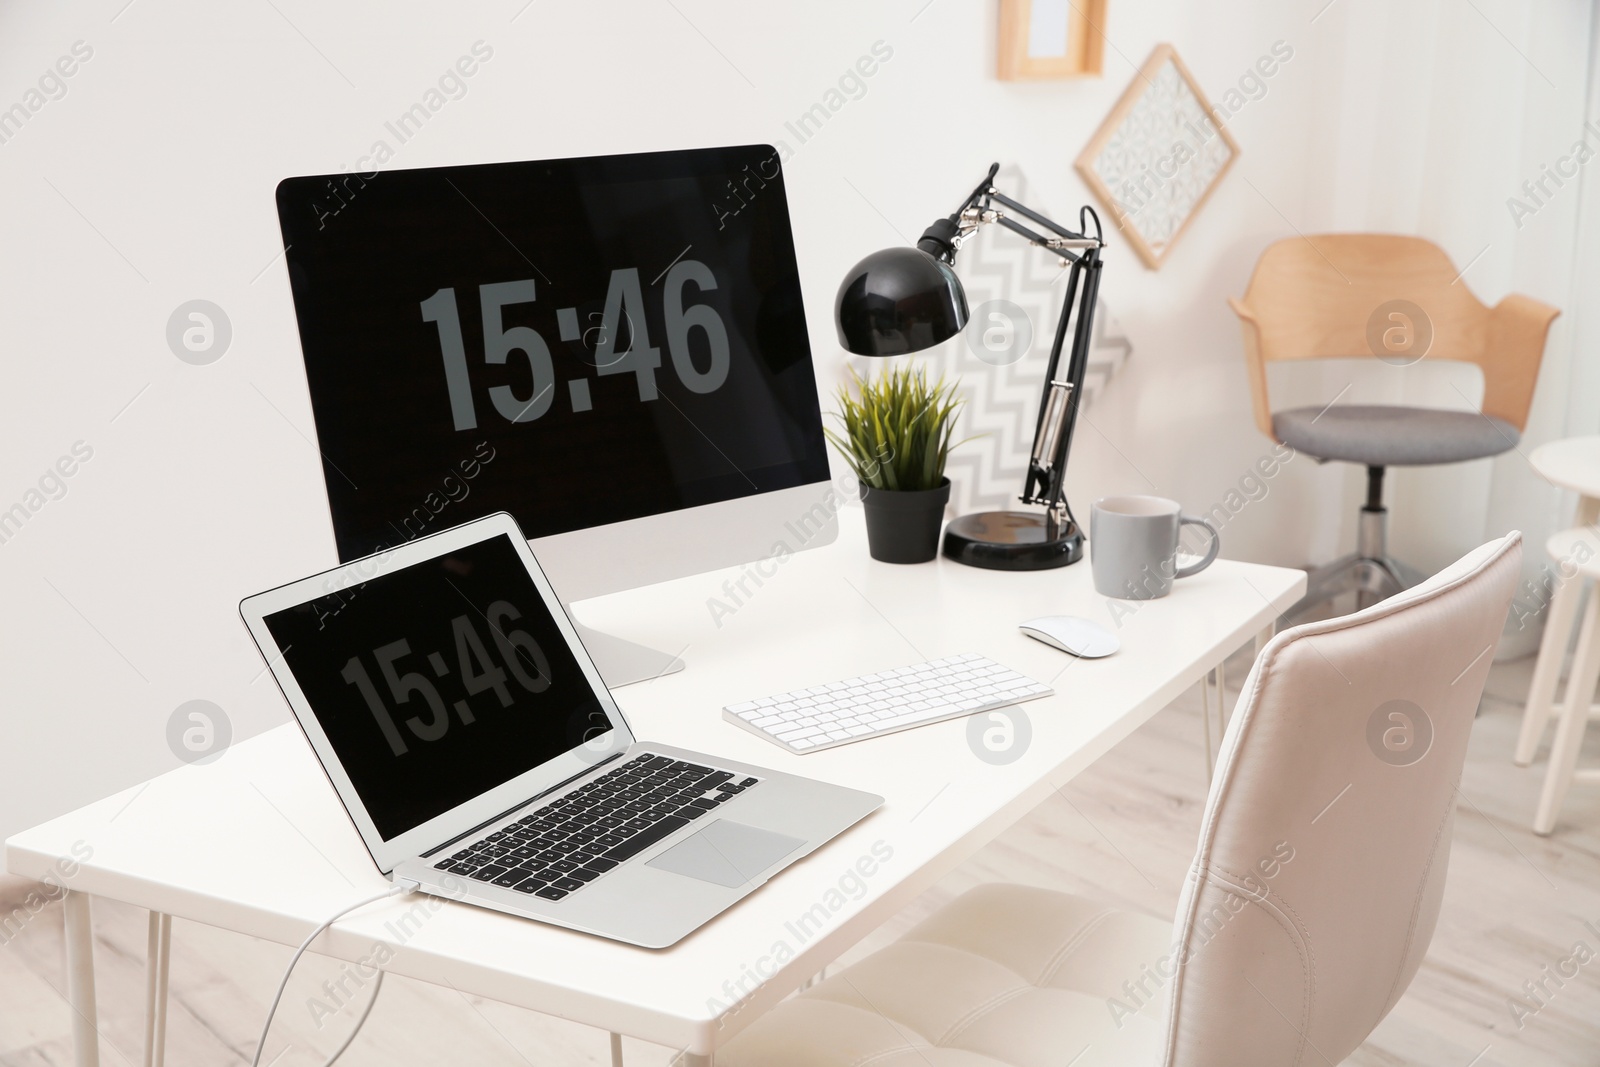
<point x="438" y="682"/>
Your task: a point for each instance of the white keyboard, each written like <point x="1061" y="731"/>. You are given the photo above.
<point x="826" y="716"/>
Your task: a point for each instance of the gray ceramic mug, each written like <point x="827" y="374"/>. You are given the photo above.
<point x="1133" y="546"/>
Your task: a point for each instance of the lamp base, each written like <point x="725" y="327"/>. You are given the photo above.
<point x="1011" y="541"/>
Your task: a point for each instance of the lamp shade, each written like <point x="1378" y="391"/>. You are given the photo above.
<point x="897" y="301"/>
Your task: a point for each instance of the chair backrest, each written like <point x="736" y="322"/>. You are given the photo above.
<point x="1314" y="297"/>
<point x="1322" y="856"/>
<point x="1359" y="295"/>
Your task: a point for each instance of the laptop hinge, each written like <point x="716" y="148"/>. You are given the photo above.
<point x="518" y="807"/>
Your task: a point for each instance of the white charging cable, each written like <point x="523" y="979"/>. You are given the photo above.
<point x="394" y="890"/>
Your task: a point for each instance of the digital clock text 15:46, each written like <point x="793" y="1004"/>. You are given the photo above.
<point x="519" y="652"/>
<point x="624" y="299"/>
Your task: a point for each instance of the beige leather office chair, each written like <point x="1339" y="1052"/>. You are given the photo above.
<point x="1312" y="898"/>
<point x="1400" y="299"/>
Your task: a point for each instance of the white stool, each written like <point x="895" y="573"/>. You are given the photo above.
<point x="1564" y="548"/>
<point x="1572" y="463"/>
<point x="1576" y="553"/>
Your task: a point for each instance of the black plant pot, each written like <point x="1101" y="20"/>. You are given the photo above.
<point x="903" y="527"/>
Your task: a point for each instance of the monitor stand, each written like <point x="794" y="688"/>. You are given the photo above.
<point x="623" y="662"/>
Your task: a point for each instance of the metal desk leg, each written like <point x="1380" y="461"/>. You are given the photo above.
<point x="80" y="980"/>
<point x="1214" y="681"/>
<point x="157" y="953"/>
<point x="1223" y="712"/>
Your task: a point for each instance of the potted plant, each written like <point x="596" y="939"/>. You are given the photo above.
<point x="896" y="437"/>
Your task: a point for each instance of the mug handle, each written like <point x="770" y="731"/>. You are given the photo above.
<point x="1211" y="555"/>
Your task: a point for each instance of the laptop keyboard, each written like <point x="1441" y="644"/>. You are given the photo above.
<point x="563" y="846"/>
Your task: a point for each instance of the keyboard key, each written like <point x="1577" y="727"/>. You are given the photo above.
<point x="567" y="884"/>
<point x="550" y="892"/>
<point x="512" y="877"/>
<point x="601" y="864"/>
<point x="645" y="838"/>
<point x="489" y="873"/>
<point x="530" y="885"/>
<point x="584" y="874"/>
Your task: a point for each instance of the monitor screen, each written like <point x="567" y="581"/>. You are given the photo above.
<point x="577" y="342"/>
<point x="438" y="682"/>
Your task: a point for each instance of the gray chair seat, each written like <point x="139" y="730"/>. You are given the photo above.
<point x="1391" y="436"/>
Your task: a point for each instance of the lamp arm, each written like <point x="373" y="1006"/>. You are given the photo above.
<point x="1077" y="370"/>
<point x="1060" y="394"/>
<point x="1063" y="393"/>
<point x="1027" y="212"/>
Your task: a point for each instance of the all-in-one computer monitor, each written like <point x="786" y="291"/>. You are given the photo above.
<point x="613" y="349"/>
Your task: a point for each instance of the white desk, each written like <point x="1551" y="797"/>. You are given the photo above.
<point x="280" y="855"/>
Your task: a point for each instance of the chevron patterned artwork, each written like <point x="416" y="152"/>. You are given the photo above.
<point x="1015" y="293"/>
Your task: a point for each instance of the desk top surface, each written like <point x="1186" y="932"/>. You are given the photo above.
<point x="258" y="842"/>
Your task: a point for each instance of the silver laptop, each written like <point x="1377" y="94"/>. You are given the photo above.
<point x="479" y="755"/>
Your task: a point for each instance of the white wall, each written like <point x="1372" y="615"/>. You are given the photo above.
<point x="150" y="183"/>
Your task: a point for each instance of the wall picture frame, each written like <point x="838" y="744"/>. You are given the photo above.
<point x="1042" y="39"/>
<point x="1158" y="156"/>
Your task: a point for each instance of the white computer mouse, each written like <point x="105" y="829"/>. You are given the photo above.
<point x="1071" y="634"/>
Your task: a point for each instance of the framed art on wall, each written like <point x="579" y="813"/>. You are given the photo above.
<point x="1051" y="38"/>
<point x="1158" y="155"/>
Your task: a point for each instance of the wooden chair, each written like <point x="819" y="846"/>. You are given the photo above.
<point x="1400" y="299"/>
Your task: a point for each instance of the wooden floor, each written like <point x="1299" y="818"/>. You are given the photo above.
<point x="1123" y="832"/>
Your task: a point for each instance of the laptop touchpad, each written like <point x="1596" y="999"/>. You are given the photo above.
<point x="727" y="853"/>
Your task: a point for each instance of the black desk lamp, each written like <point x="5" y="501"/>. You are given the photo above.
<point x="902" y="300"/>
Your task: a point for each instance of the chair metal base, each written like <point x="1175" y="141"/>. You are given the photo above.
<point x="1369" y="572"/>
<point x="1371" y="579"/>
